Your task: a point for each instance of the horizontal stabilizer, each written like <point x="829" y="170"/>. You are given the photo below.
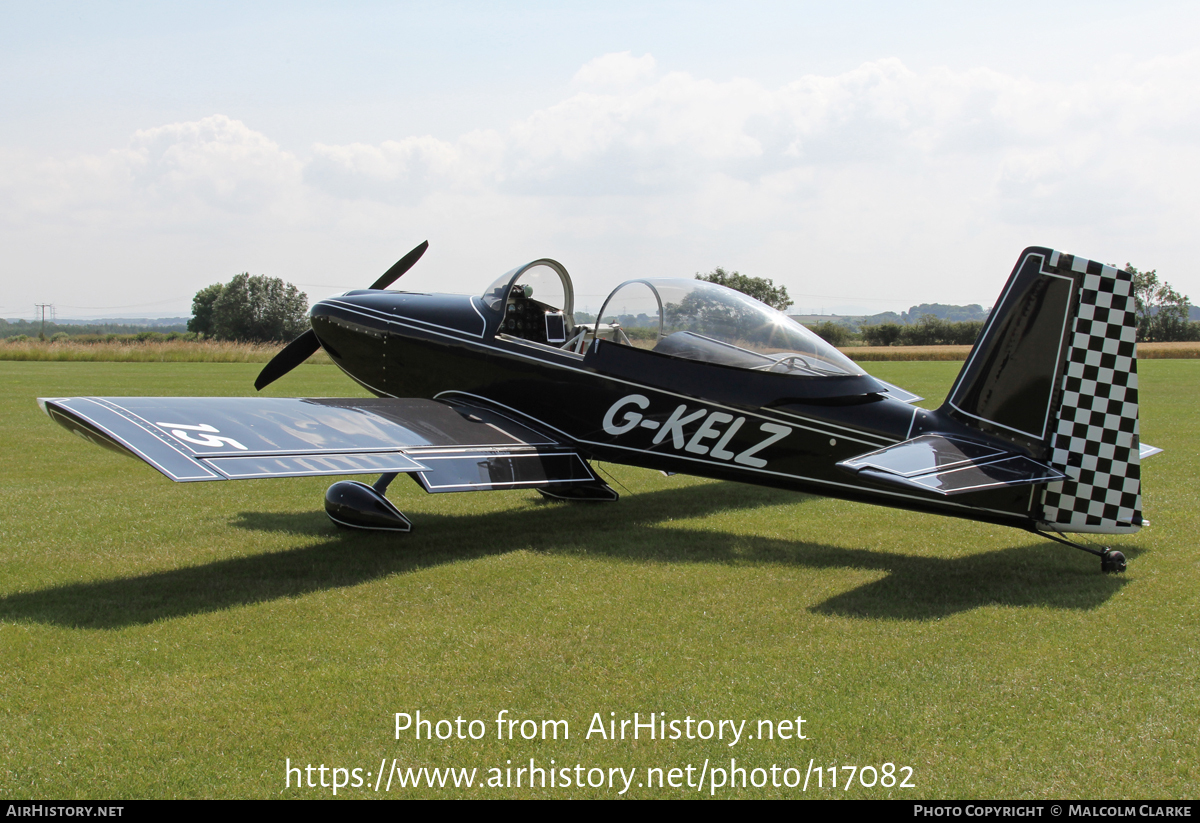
<point x="949" y="465"/>
<point x="447" y="447"/>
<point x="896" y="393"/>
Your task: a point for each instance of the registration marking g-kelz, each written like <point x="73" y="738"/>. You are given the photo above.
<point x="709" y="429"/>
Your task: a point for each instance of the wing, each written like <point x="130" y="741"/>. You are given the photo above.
<point x="949" y="465"/>
<point x="446" y="447"/>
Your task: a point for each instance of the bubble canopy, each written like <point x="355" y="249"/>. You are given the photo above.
<point x="698" y="320"/>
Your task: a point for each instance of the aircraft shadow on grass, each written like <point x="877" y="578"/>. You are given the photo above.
<point x="912" y="588"/>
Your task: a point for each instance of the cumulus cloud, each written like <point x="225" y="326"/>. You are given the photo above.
<point x="617" y="69"/>
<point x="669" y="135"/>
<point x="1021" y="138"/>
<point x="213" y="165"/>
<point x="217" y="161"/>
<point x="407" y="170"/>
<point x="825" y="172"/>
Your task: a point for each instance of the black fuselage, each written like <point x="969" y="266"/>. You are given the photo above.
<point x="628" y="405"/>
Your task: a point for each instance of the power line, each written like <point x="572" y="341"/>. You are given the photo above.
<point x="131" y="306"/>
<point x="43" y="307"/>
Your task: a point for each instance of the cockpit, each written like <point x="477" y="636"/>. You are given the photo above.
<point x="537" y="304"/>
<point x="688" y="319"/>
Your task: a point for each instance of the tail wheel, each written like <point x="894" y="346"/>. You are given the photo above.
<point x="1112" y="562"/>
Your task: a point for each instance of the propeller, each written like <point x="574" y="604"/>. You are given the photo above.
<point x="293" y="354"/>
<point x="402" y="265"/>
<point x="306" y="345"/>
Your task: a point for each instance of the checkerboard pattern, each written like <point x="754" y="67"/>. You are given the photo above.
<point x="1096" y="441"/>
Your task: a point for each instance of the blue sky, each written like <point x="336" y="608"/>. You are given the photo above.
<point x="868" y="156"/>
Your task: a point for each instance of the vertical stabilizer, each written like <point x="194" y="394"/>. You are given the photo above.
<point x="1055" y="373"/>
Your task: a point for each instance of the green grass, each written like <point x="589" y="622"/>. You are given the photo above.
<point x="182" y="640"/>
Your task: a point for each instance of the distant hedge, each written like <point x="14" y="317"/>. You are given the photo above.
<point x="930" y="331"/>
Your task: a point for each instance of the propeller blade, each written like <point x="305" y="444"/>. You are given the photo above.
<point x="293" y="355"/>
<point x="402" y="265"/>
<point x="306" y="345"/>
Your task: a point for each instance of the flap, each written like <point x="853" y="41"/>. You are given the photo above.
<point x="491" y="472"/>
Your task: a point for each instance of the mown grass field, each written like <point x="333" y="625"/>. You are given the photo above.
<point x="184" y="640"/>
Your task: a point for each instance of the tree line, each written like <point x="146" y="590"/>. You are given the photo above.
<point x="928" y="331"/>
<point x="257" y="309"/>
<point x="1163" y="316"/>
<point x="247" y="309"/>
<point x="1163" y="313"/>
<point x="263" y="309"/>
<point x="26" y="329"/>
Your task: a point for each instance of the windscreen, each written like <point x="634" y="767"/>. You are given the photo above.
<point x="540" y="282"/>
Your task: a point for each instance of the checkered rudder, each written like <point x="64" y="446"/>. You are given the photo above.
<point x="1096" y="441"/>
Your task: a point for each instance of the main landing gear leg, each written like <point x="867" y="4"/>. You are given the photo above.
<point x="354" y="505"/>
<point x="1111" y="561"/>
